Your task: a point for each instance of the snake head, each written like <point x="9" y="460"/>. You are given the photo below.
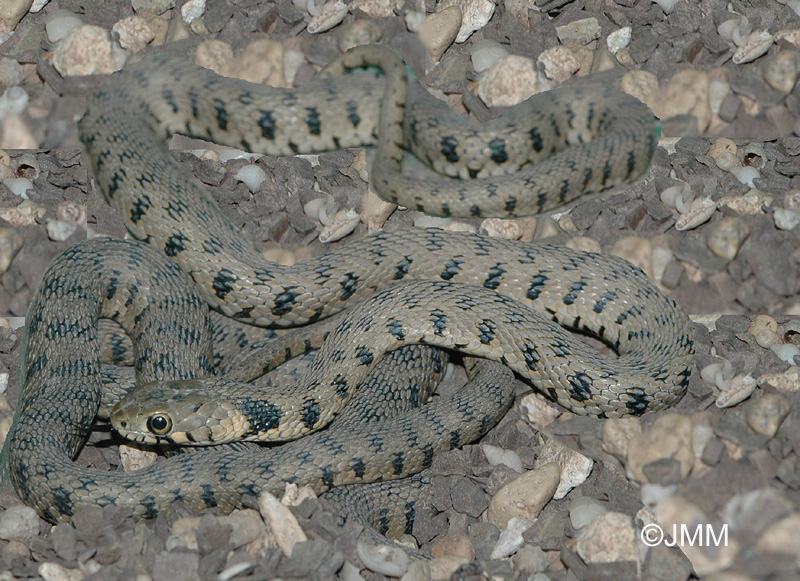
<point x="187" y="413"/>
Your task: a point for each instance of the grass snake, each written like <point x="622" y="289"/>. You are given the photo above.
<point x="498" y="299"/>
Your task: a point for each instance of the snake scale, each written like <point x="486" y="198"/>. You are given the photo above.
<point x="497" y="299"/>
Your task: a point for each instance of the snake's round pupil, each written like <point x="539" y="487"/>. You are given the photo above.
<point x="158" y="424"/>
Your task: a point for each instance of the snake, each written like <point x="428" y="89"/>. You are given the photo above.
<point x="503" y="300"/>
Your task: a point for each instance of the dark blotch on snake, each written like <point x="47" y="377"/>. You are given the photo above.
<point x="267" y="124"/>
<point x="451" y="268"/>
<point x="486" y="330"/>
<point x="311" y="413"/>
<point x="349" y="285"/>
<point x="439" y="321"/>
<point x="223" y="283"/>
<point x="448" y="147"/>
<point x="495" y="277"/>
<point x="358" y="467"/>
<point x="536" y="286"/>
<point x="222" y="114"/>
<point x="497" y="147"/>
<point x="139" y="208"/>
<point x="580" y="386"/>
<point x="262" y="415"/>
<point x="175" y="244"/>
<point x="284" y="301"/>
<point x="531" y="355"/>
<point x="402" y="268"/>
<point x="313" y="121"/>
<point x="574" y="291"/>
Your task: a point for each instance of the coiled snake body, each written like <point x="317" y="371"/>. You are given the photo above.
<point x="491" y="298"/>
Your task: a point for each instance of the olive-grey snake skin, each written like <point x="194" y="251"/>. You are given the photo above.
<point x="492" y="298"/>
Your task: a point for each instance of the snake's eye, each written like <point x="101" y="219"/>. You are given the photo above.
<point x="159" y="424"/>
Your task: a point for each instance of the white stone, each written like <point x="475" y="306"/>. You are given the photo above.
<point x="584" y="510"/>
<point x="475" y="14"/>
<point x="59" y="23"/>
<point x="19" y="522"/>
<point x="383" y="559"/>
<point x="619" y="39"/>
<point x="511" y="538"/>
<point x="193" y="10"/>
<point x="252" y="175"/>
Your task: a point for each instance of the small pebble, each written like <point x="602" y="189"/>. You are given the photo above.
<point x="786" y="352"/>
<point x="475" y="14"/>
<point x="11" y="72"/>
<point x="87" y="50"/>
<point x="497" y="456"/>
<point x="57" y="572"/>
<point x="252" y="175"/>
<point x="757" y="44"/>
<point x="539" y="413"/>
<point x="735" y="30"/>
<point x="485" y="53"/>
<point x="13" y="101"/>
<point x="579" y="32"/>
<point x="332" y="13"/>
<point x="11" y="12"/>
<point x="670" y="437"/>
<point x="19" y="186"/>
<point x="608" y="538"/>
<point x="558" y="64"/>
<point x="498" y="228"/>
<point x="584" y="510"/>
<point x="59" y="23"/>
<point x="725" y="238"/>
<point x="765" y="330"/>
<point x="786" y="219"/>
<point x="439" y="31"/>
<point x="786" y="382"/>
<point x="525" y="496"/>
<point x="192" y="10"/>
<point x="133" y="33"/>
<point x="380" y="8"/>
<point x="511" y="538"/>
<point x="781" y="537"/>
<point x="10" y="245"/>
<point x="618" y="39"/>
<point x="386" y="560"/>
<point x="667" y="5"/>
<point x="344" y="222"/>
<point x="724" y="153"/>
<point x="444" y="567"/>
<point x="618" y="433"/>
<point x="781" y="70"/>
<point x="749" y="204"/>
<point x="699" y="212"/>
<point x="639" y="84"/>
<point x="575" y="467"/>
<point x="510" y="81"/>
<point x="60" y="230"/>
<point x="766" y="414"/>
<point x="530" y="560"/>
<point x="460" y="545"/>
<point x="686" y="93"/>
<point x="282" y="523"/>
<point x="18" y="522"/>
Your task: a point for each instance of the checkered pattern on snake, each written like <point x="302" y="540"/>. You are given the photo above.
<point x="465" y="297"/>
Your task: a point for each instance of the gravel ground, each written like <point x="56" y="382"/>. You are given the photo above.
<point x="726" y="457"/>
